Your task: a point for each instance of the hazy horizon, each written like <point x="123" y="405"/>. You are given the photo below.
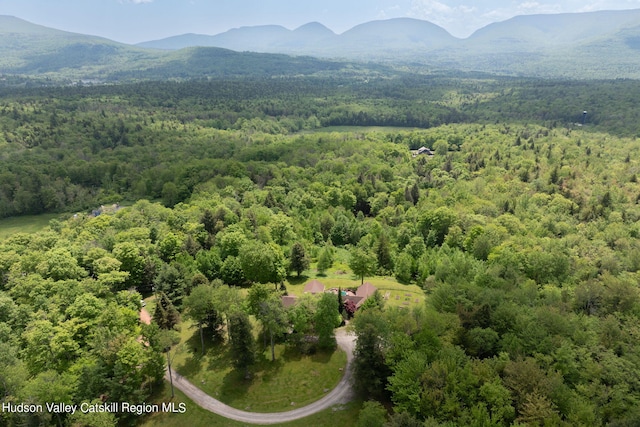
<point x="135" y="21"/>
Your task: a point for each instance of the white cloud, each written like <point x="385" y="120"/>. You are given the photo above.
<point x="461" y="19"/>
<point x="590" y="6"/>
<point x="535" y="7"/>
<point x="389" y="12"/>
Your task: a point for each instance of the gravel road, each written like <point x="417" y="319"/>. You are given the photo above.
<point x="341" y="394"/>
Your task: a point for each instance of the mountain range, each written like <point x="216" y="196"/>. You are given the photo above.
<point x="603" y="44"/>
<point x="545" y="45"/>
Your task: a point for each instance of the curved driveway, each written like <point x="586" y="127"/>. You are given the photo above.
<point x="341" y="394"/>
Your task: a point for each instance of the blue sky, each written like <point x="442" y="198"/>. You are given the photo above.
<point x="133" y="21"/>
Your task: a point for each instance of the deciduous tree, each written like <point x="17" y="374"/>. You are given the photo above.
<point x="200" y="307"/>
<point x="362" y="263"/>
<point x="372" y="414"/>
<point x="262" y="262"/>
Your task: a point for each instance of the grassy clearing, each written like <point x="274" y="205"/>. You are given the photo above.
<point x="150" y="304"/>
<point x="330" y="129"/>
<point x="396" y="294"/>
<point x="291" y="381"/>
<point x="25" y="224"/>
<point x="338" y="416"/>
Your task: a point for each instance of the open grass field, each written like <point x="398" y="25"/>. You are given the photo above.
<point x="291" y="381"/>
<point x="338" y="416"/>
<point x="24" y="224"/>
<point x="395" y="294"/>
<point x="330" y="129"/>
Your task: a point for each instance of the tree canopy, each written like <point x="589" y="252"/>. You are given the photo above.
<point x="523" y="230"/>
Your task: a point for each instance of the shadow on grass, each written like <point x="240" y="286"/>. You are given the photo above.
<point x="268" y="368"/>
<point x="214" y="350"/>
<point x="317" y="355"/>
<point x="295" y="280"/>
<point x="159" y="391"/>
<point x="264" y="364"/>
<point x="218" y="355"/>
<point x="192" y="363"/>
<point x="191" y="366"/>
<point x="234" y="387"/>
<point x="322" y="356"/>
<point x="291" y="354"/>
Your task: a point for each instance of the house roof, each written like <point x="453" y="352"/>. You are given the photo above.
<point x="356" y="299"/>
<point x="424" y="150"/>
<point x="289" y="300"/>
<point x="314" y="287"/>
<point x="366" y="290"/>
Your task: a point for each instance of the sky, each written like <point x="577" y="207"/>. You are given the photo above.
<point x="133" y="21"/>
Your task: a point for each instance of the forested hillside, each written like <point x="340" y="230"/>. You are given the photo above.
<point x="76" y="148"/>
<point x="586" y="45"/>
<point x="523" y="230"/>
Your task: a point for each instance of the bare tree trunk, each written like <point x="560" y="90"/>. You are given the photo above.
<point x="264" y="337"/>
<point x="273" y="348"/>
<point x="201" y="339"/>
<point x="170" y="375"/>
<point x="228" y="327"/>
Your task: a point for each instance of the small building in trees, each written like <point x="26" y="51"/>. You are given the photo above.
<point x="106" y="210"/>
<point x="289" y="300"/>
<point x="422" y="151"/>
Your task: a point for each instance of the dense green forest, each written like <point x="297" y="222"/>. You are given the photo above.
<point x="523" y="230"/>
<point x="75" y="148"/>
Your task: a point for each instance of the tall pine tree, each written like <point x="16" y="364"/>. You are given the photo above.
<point x="383" y="254"/>
<point x="165" y="314"/>
<point x="242" y="344"/>
<point x="298" y="260"/>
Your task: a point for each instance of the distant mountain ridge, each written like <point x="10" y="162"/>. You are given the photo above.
<point x="31" y="50"/>
<point x="558" y="29"/>
<point x="540" y="29"/>
<point x="316" y="39"/>
<point x="601" y="44"/>
<point x="567" y="45"/>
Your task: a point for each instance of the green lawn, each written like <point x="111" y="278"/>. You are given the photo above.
<point x="24" y="224"/>
<point x="361" y="129"/>
<point x="337" y="416"/>
<point x="291" y="381"/>
<point x="396" y="294"/>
